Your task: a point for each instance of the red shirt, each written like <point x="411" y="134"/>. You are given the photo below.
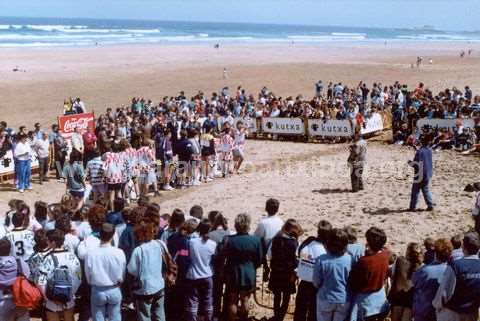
<point x="370" y="272"/>
<point x="89" y="141"/>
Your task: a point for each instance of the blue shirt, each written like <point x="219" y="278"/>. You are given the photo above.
<point x="115" y="218"/>
<point x="201" y="253"/>
<point x="146" y="265"/>
<point x="356" y="251"/>
<point x="425" y="285"/>
<point x="330" y="276"/>
<point x="424" y="165"/>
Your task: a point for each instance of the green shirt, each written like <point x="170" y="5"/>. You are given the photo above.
<point x="243" y="254"/>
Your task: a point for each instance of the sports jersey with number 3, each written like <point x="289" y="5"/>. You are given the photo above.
<point x="22" y="243"/>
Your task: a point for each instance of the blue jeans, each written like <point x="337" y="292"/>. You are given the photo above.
<point x="106" y="303"/>
<point x="199" y="293"/>
<point x="150" y="307"/>
<point x="427" y="194"/>
<point x="23" y="175"/>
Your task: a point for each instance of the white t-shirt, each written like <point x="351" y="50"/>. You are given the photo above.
<point x="268" y="228"/>
<point x="71" y="242"/>
<point x="308" y="255"/>
<point x="22" y="243"/>
<point x="23" y="151"/>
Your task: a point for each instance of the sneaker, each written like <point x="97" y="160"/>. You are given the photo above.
<point x="429" y="209"/>
<point x="208" y="180"/>
<point x="21" y="190"/>
<point x="167" y="187"/>
<point x="29" y="188"/>
<point x="196" y="183"/>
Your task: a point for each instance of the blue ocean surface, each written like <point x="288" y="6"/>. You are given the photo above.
<point x="40" y="32"/>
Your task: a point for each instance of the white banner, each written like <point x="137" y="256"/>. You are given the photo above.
<point x="8" y="167"/>
<point x="287" y="126"/>
<point x="373" y="124"/>
<point x="330" y="128"/>
<point x="250" y="123"/>
<point x="446" y="123"/>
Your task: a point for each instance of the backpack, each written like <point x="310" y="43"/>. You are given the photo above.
<point x="25" y="293"/>
<point x="60" y="283"/>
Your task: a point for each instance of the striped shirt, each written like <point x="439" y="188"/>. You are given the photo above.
<point x="95" y="171"/>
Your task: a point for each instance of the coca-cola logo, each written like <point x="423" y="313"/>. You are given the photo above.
<point x="71" y="124"/>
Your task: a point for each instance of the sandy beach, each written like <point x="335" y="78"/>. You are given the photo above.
<point x="310" y="180"/>
<point x="110" y="76"/>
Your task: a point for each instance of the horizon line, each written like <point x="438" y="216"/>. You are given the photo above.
<point x="424" y="27"/>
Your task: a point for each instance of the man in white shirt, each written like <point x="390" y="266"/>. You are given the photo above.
<point x="77" y="140"/>
<point x="105" y="271"/>
<point x="79" y="106"/>
<point x="271" y="225"/>
<point x="42" y="148"/>
<point x="23" y="154"/>
<point x="59" y="257"/>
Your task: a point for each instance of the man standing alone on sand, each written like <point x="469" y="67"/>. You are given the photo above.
<point x="423" y="167"/>
<point x="356" y="162"/>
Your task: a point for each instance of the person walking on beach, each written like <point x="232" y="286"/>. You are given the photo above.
<point x="356" y="162"/>
<point x="423" y="167"/>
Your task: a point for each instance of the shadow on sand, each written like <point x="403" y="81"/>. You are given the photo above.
<point x="331" y="191"/>
<point x="387" y="211"/>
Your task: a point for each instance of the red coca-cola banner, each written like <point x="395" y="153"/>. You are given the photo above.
<point x="68" y="123"/>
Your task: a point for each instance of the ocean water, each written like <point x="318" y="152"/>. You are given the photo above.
<point x="41" y="32"/>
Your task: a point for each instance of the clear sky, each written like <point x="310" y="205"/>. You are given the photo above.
<point x="443" y="14"/>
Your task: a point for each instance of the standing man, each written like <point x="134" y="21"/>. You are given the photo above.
<point x="89" y="144"/>
<point x="77" y="140"/>
<point x="105" y="271"/>
<point x="319" y="88"/>
<point x="457" y="295"/>
<point x="60" y="148"/>
<point x="37" y="133"/>
<point x="23" y="154"/>
<point x="42" y="148"/>
<point x="356" y="161"/>
<point x="423" y="167"/>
